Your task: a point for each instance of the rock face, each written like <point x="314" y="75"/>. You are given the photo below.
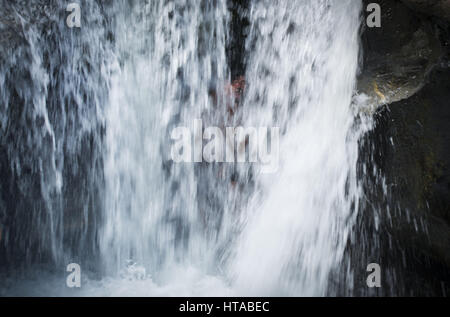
<point x="420" y="158"/>
<point x="405" y="226"/>
<point x="239" y="25"/>
<point x="440" y="8"/>
<point x="399" y="55"/>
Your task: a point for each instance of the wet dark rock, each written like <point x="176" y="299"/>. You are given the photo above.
<point x="415" y="148"/>
<point x="399" y="55"/>
<point x="405" y="223"/>
<point x="239" y="26"/>
<point x="439" y="8"/>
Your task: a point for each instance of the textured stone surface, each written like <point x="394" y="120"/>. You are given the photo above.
<point x="405" y="223"/>
<point x="399" y="55"/>
<point x="440" y="8"/>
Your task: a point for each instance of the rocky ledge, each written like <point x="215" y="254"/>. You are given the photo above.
<point x="406" y="72"/>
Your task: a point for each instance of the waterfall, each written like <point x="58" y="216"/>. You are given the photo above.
<point x="170" y="55"/>
<point x="291" y="228"/>
<point x="104" y="101"/>
<point x="53" y="91"/>
<point x="303" y="61"/>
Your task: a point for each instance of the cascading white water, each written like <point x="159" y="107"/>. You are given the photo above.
<point x="170" y="53"/>
<point x="303" y="59"/>
<point x="302" y="74"/>
<point x="53" y="90"/>
<point x="224" y="229"/>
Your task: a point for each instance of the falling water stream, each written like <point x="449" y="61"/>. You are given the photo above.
<point x="163" y="228"/>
